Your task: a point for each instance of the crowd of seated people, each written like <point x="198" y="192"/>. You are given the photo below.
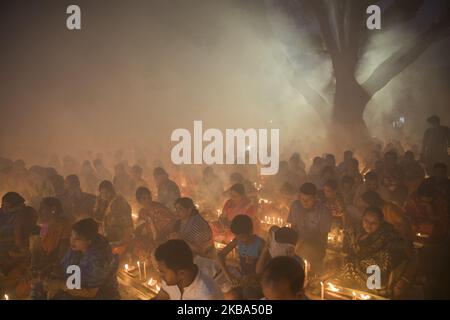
<point x="391" y="215"/>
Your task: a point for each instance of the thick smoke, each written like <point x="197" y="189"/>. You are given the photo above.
<point x="140" y="69"/>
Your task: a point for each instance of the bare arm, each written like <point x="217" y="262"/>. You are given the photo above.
<point x="222" y="255"/>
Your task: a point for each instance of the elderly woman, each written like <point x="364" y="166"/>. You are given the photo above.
<point x="374" y="242"/>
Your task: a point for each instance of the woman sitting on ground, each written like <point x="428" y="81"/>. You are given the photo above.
<point x="92" y="254"/>
<point x="374" y="242"/>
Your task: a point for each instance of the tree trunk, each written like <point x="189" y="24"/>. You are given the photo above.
<point x="347" y="128"/>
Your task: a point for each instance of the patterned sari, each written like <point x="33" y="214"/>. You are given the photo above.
<point x="361" y="251"/>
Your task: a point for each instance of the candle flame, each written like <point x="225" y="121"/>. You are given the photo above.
<point x="126" y="267"/>
<point x="331" y="287"/>
<point x="152" y="282"/>
<point x="6" y="297"/>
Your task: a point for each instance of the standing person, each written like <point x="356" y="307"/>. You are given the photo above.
<point x="182" y="278"/>
<point x="436" y="140"/>
<point x="312" y="221"/>
<point x="168" y="191"/>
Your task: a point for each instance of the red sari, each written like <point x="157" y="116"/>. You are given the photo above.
<point x="230" y="210"/>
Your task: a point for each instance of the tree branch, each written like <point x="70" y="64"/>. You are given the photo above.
<point x="322" y="17"/>
<point x="404" y="57"/>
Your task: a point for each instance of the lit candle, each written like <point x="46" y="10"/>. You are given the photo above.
<point x="152" y="282"/>
<point x="6" y="297"/>
<point x="354" y="295"/>
<point x="140" y="273"/>
<point x="306" y="273"/>
<point x="322" y="290"/>
<point x="126" y="267"/>
<point x="145" y="271"/>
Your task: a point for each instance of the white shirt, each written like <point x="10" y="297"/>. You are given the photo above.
<point x="202" y="288"/>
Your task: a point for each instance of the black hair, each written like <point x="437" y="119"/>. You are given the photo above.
<point x="142" y="191"/>
<point x="187" y="203"/>
<point x="371" y="175"/>
<point x="238" y="188"/>
<point x="331" y="183"/>
<point x="426" y="189"/>
<point x="176" y="255"/>
<point x="51" y="202"/>
<point x="241" y="224"/>
<point x="376" y="210"/>
<point x="284" y="268"/>
<point x="286" y="235"/>
<point x="73" y="180"/>
<point x="308" y="189"/>
<point x="106" y="185"/>
<point x="159" y="171"/>
<point x="372" y="198"/>
<point x="86" y="229"/>
<point x="13" y="198"/>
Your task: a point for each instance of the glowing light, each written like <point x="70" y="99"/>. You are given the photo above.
<point x="6" y="297"/>
<point x="364" y="296"/>
<point x="331" y="287"/>
<point x="152" y="282"/>
<point x="126" y="267"/>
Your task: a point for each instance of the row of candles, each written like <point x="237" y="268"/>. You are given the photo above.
<point x="275" y="221"/>
<point x="142" y="267"/>
<point x="331" y="287"/>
